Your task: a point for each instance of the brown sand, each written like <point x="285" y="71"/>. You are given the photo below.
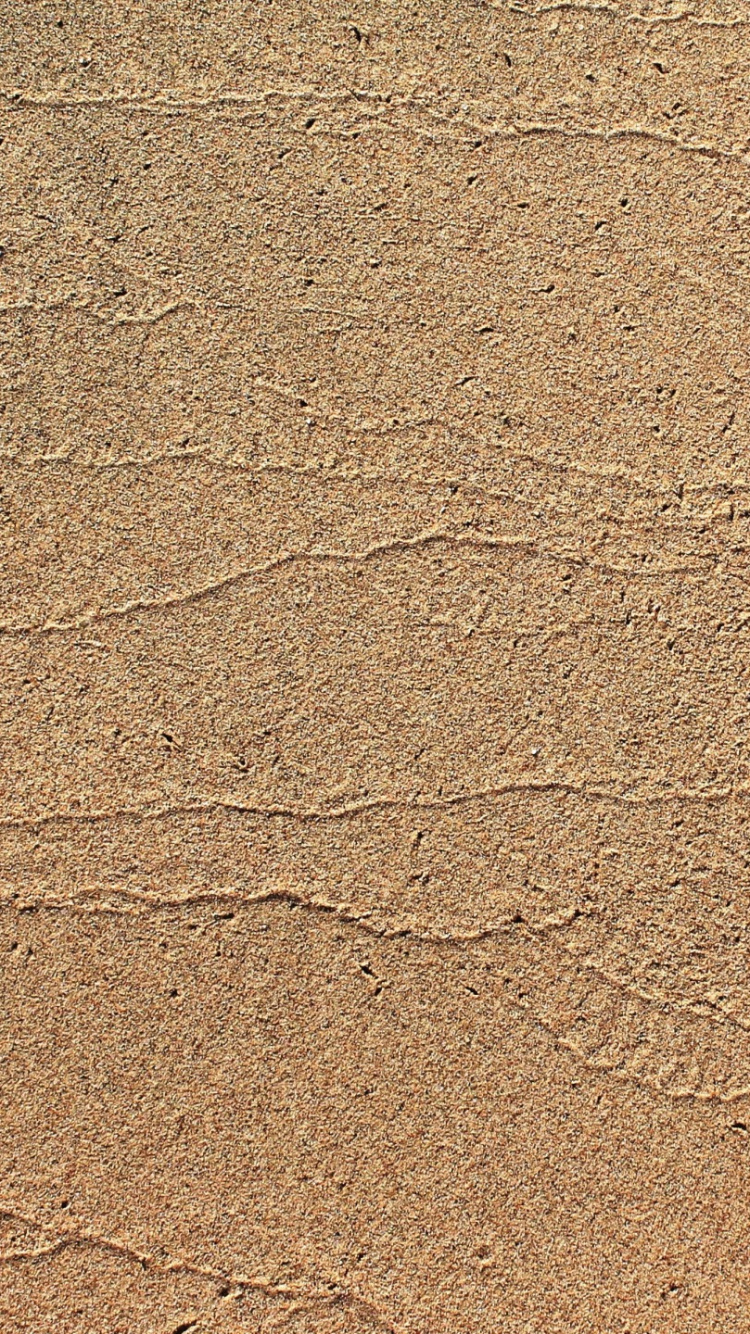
<point x="375" y="502"/>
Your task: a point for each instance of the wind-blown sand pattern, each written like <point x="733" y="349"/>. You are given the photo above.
<point x="374" y="671"/>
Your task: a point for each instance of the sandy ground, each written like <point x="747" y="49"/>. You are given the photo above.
<point x="374" y="675"/>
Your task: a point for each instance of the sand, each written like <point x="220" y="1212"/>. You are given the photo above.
<point x="374" y="694"/>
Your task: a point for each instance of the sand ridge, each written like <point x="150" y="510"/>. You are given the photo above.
<point x="374" y="795"/>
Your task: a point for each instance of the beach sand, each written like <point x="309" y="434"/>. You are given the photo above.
<point x="374" y="673"/>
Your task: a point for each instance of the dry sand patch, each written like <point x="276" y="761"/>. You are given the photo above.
<point x="375" y="501"/>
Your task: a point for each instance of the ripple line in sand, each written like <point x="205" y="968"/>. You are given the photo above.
<point x="522" y="546"/>
<point x="569" y="787"/>
<point x="327" y="1292"/>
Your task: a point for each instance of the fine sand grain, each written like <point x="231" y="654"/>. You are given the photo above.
<point x="374" y="667"/>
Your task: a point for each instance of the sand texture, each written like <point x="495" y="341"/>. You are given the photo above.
<point x="374" y="667"/>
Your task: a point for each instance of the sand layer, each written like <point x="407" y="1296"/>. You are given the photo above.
<point x="374" y="669"/>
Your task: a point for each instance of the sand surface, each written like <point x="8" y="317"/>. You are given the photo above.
<point x="374" y="672"/>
